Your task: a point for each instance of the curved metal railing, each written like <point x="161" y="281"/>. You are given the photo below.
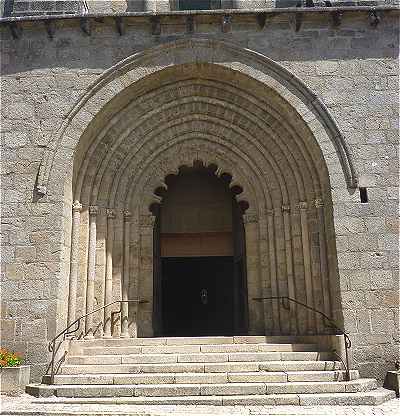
<point x="328" y="323"/>
<point x="56" y="342"/>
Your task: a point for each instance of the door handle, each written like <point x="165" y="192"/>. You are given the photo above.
<point x="204" y="296"/>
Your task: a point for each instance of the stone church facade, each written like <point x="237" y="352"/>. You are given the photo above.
<point x="142" y="132"/>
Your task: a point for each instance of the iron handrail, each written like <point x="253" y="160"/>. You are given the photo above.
<point x="55" y="343"/>
<point x="328" y="322"/>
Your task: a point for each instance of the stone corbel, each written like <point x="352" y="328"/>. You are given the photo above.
<point x="120" y="25"/>
<point x="15" y="29"/>
<point x="85" y="26"/>
<point x="155" y="25"/>
<point x="261" y="20"/>
<point x="296" y="20"/>
<point x="226" y="23"/>
<point x="374" y="19"/>
<point x="336" y="17"/>
<point x="190" y="24"/>
<point x="50" y="28"/>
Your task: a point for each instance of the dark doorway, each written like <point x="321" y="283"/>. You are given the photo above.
<point x="198" y="296"/>
<point x="200" y="285"/>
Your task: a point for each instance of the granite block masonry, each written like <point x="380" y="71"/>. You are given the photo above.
<point x="299" y="110"/>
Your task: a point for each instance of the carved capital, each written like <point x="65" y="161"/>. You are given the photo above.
<point x="147" y="220"/>
<point x="110" y="214"/>
<point x="250" y="218"/>
<point x="303" y="205"/>
<point x="93" y="210"/>
<point x="76" y="206"/>
<point x="127" y="216"/>
<point x="285" y="208"/>
<point x="270" y="212"/>
<point x="319" y="203"/>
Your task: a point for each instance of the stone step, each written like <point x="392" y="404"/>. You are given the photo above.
<point x="193" y="349"/>
<point x="201" y="368"/>
<point x="223" y="389"/>
<point x="198" y="358"/>
<point x="205" y="378"/>
<point x="372" y="398"/>
<point x="182" y="341"/>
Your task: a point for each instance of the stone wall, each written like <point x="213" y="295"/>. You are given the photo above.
<point x="51" y="7"/>
<point x="350" y="63"/>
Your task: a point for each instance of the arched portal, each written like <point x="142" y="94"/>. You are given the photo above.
<point x="226" y="119"/>
<point x="199" y="255"/>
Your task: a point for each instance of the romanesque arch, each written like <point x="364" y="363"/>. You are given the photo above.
<point x="234" y="109"/>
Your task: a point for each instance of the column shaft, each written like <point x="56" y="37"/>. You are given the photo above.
<point x="274" y="277"/>
<point x="323" y="256"/>
<point x="307" y="266"/>
<point x="74" y="265"/>
<point x="125" y="277"/>
<point x="108" y="283"/>
<point x="289" y="268"/>
<point x="256" y="309"/>
<point x="91" y="273"/>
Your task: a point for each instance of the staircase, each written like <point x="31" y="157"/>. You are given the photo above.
<point x="242" y="370"/>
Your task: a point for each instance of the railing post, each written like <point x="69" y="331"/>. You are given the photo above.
<point x="53" y="357"/>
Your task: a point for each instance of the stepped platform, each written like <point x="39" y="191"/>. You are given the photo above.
<point x="248" y="370"/>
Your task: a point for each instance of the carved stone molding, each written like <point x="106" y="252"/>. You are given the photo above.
<point x="147" y="220"/>
<point x="285" y="208"/>
<point x="270" y="212"/>
<point x="303" y="205"/>
<point x="319" y="203"/>
<point x="76" y="206"/>
<point x="250" y="218"/>
<point x="127" y="216"/>
<point x="93" y="210"/>
<point x="110" y="214"/>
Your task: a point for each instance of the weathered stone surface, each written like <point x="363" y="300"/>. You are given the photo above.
<point x="42" y="80"/>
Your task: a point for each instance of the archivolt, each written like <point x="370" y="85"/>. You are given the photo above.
<point x="267" y="141"/>
<point x="198" y="51"/>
